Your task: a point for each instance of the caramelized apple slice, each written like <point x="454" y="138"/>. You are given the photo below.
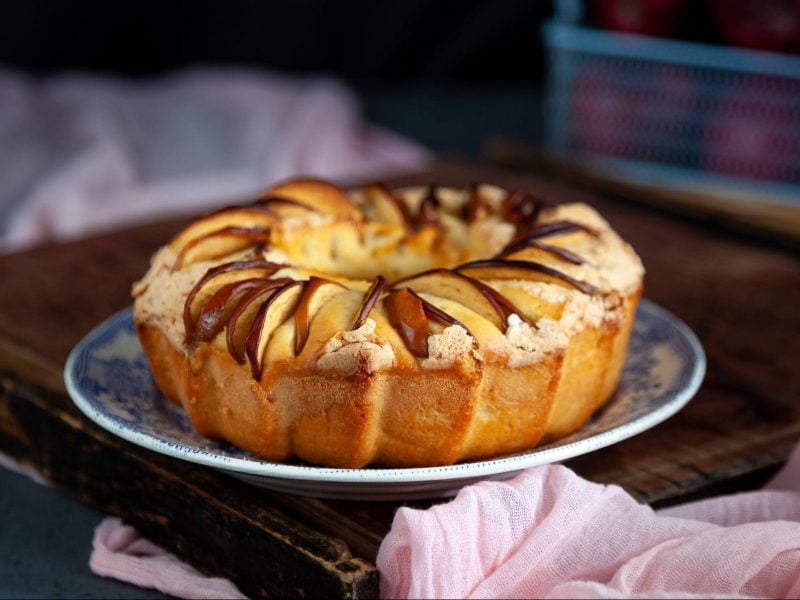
<point x="316" y="293"/>
<point x="473" y="208"/>
<point x="216" y="312"/>
<point x="245" y="313"/>
<point x="434" y="313"/>
<point x="503" y="305"/>
<point x="389" y="207"/>
<point x="521" y="208"/>
<point x="406" y="313"/>
<point x="370" y="298"/>
<point x="220" y="243"/>
<point x="501" y="268"/>
<point x="542" y="230"/>
<point x="460" y="288"/>
<point x="272" y="313"/>
<point x="427" y="215"/>
<point x="285" y="207"/>
<point x="319" y="195"/>
<point x="236" y="216"/>
<point x="217" y="277"/>
<point x="535" y="248"/>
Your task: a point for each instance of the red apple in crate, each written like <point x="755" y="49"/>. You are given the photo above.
<point x="604" y="112"/>
<point x="762" y="24"/>
<point x="646" y="17"/>
<point x="755" y="131"/>
<point x="639" y="110"/>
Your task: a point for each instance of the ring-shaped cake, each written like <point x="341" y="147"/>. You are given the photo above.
<point x="414" y="326"/>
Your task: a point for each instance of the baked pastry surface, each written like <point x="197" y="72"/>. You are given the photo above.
<point x="407" y="327"/>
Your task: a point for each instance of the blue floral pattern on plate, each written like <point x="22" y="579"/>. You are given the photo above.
<point x="108" y="377"/>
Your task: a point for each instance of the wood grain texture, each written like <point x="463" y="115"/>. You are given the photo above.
<point x="221" y="526"/>
<point x="740" y="296"/>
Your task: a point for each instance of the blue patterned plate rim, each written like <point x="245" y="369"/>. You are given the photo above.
<point x="662" y="322"/>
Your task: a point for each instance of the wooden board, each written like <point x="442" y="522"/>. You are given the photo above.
<point x="740" y="296"/>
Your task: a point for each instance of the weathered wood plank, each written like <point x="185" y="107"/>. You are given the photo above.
<point x="220" y="525"/>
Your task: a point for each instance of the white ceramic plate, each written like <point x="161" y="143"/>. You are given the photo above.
<point x="108" y="378"/>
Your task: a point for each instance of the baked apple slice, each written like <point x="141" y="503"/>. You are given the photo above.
<point x="521" y="208"/>
<point x="427" y="215"/>
<point x="276" y="309"/>
<point x="318" y="195"/>
<point x="406" y="312"/>
<point x="235" y="216"/>
<point x="317" y="292"/>
<point x="217" y="310"/>
<point x="552" y="228"/>
<point x="388" y="207"/>
<point x="532" y="248"/>
<point x="219" y="243"/>
<point x="501" y="268"/>
<point x="218" y="277"/>
<point x="244" y="314"/>
<point x="477" y="204"/>
<point x="370" y="298"/>
<point x="461" y="288"/>
<point x="434" y="313"/>
<point x="473" y="208"/>
<point x="530" y="238"/>
<point x="285" y="207"/>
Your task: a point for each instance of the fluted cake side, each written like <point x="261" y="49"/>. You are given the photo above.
<point x="406" y="327"/>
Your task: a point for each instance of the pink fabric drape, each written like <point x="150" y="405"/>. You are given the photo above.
<point x="119" y="552"/>
<point x="80" y="154"/>
<point x="551" y="534"/>
<point x="548" y="534"/>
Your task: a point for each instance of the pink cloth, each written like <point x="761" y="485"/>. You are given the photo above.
<point x="119" y="552"/>
<point x="9" y="463"/>
<point x="550" y="534"/>
<point x="80" y="154"/>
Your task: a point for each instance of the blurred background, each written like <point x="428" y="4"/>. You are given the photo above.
<point x="701" y="96"/>
<point x="418" y="66"/>
<point x="115" y="113"/>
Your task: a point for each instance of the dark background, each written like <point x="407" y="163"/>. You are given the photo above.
<point x="446" y="73"/>
<point x="368" y="42"/>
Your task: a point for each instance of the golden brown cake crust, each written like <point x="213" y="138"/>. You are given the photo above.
<point x="412" y="327"/>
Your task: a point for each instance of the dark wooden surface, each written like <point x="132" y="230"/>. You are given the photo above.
<point x="741" y="296"/>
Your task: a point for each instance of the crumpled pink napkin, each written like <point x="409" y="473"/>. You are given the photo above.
<point x="118" y="551"/>
<point x="551" y="534"/>
<point x="82" y="153"/>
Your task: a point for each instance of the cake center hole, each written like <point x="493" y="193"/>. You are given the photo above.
<point x="376" y="249"/>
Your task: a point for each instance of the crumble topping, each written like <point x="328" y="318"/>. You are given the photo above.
<point x="525" y="345"/>
<point x="611" y="264"/>
<point x="449" y="346"/>
<point x="161" y="293"/>
<point x="360" y="349"/>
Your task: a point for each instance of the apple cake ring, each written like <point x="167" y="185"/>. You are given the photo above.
<point x="405" y="327"/>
